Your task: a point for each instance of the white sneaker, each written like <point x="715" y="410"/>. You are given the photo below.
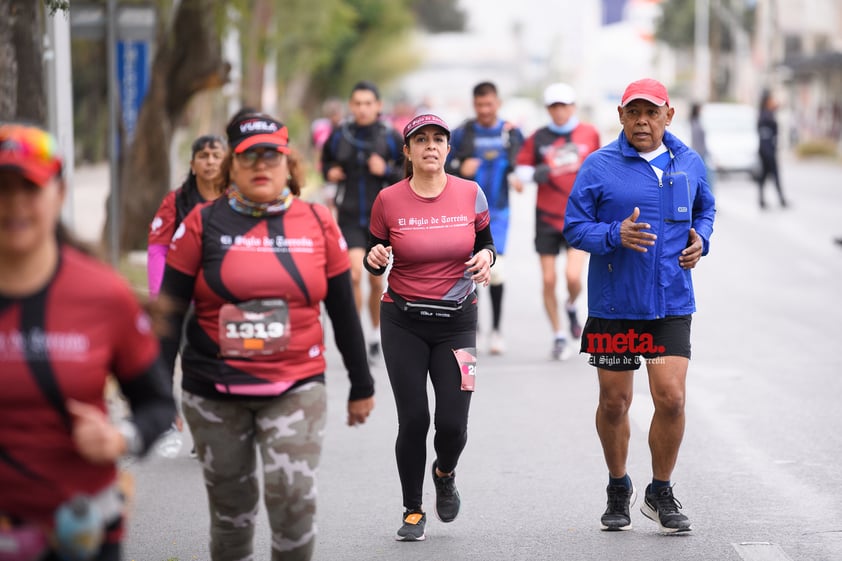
<point x="561" y="350"/>
<point x="496" y="344"/>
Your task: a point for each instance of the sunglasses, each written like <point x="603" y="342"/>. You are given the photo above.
<point x="249" y="158"/>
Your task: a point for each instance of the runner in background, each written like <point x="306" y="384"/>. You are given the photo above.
<point x="320" y="130"/>
<point x="201" y="185"/>
<point x="484" y="150"/>
<point x="67" y="323"/>
<point x="551" y="158"/>
<point x="362" y="156"/>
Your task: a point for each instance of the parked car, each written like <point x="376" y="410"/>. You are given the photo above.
<point x="731" y="136"/>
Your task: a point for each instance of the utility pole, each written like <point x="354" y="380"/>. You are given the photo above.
<point x="702" y="50"/>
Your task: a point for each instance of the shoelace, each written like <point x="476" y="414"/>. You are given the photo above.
<point x="666" y="502"/>
<point x="617" y="497"/>
<point x="446" y="485"/>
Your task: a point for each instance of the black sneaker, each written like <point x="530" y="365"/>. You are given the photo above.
<point x="413" y="527"/>
<point x="663" y="509"/>
<point x="620" y="500"/>
<point x="447" y="497"/>
<point x="575" y="326"/>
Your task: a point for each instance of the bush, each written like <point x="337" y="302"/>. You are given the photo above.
<point x="824" y="148"/>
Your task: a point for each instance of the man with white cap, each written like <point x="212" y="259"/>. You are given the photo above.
<point x="641" y="206"/>
<point x="551" y="157"/>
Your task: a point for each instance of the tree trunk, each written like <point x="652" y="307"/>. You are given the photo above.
<point x="254" y="54"/>
<point x="28" y="34"/>
<point x="188" y="59"/>
<point x="22" y="95"/>
<point x="8" y="63"/>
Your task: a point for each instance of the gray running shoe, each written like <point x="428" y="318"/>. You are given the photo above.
<point x="663" y="508"/>
<point x="620" y="500"/>
<point x="412" y="529"/>
<point x="447" y="496"/>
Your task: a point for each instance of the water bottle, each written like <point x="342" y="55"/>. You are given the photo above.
<point x="169" y="445"/>
<point x="79" y="530"/>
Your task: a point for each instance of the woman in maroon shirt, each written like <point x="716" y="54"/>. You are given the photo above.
<point x="67" y="322"/>
<point x="257" y="263"/>
<point x="436" y="228"/>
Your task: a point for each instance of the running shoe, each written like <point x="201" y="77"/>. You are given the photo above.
<point x="447" y="496"/>
<point x="497" y="345"/>
<point x="373" y="352"/>
<point x="575" y="326"/>
<point x="561" y="351"/>
<point x="663" y="508"/>
<point x="620" y="500"/>
<point x="412" y="529"/>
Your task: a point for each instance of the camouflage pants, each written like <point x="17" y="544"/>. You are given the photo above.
<point x="288" y="433"/>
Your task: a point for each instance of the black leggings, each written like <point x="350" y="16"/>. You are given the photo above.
<point x="412" y="348"/>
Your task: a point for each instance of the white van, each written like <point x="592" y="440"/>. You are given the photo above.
<point x="731" y="137"/>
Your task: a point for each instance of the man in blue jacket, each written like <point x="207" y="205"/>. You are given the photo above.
<point x="642" y="207"/>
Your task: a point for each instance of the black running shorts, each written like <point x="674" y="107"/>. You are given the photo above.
<point x="619" y="344"/>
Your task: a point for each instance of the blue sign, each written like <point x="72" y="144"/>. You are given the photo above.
<point x="133" y="80"/>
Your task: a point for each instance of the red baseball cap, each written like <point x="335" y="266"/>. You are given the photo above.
<point x="29" y="150"/>
<point x="651" y="90"/>
<point x="256" y="130"/>
<point x="422" y="121"/>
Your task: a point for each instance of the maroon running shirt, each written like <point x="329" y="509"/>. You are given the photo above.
<point x="163" y="224"/>
<point x="84" y="326"/>
<point x="564" y="154"/>
<point x="238" y="258"/>
<point x="431" y="238"/>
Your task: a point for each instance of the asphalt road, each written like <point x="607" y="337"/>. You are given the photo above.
<point x="759" y="470"/>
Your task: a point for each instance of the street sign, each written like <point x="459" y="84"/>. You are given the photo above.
<point x="133" y="80"/>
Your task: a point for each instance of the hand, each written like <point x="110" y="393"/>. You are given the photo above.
<point x="516" y="183"/>
<point x="480" y="267"/>
<point x="335" y="174"/>
<point x="377" y="165"/>
<point x="359" y="410"/>
<point x="691" y="255"/>
<point x="632" y="235"/>
<point x="469" y="167"/>
<point x="542" y="174"/>
<point x="95" y="438"/>
<point x="378" y="256"/>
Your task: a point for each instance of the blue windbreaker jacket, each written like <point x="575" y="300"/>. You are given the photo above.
<point x="623" y="283"/>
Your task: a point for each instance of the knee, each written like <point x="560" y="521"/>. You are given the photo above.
<point x="414" y="425"/>
<point x="451" y="430"/>
<point x="669" y="404"/>
<point x="549" y="279"/>
<point x="614" y="407"/>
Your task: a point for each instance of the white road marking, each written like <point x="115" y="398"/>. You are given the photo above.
<point x="760" y="551"/>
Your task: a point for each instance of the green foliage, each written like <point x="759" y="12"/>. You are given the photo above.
<point x="822" y="148"/>
<point x="57" y="5"/>
<point x="438" y="16"/>
<point x="676" y="25"/>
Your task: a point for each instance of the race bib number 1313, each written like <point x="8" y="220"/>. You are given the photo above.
<point x="254" y="328"/>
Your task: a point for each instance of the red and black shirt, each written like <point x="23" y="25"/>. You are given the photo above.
<point x="219" y="256"/>
<point x="59" y="343"/>
<point x="564" y="154"/>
